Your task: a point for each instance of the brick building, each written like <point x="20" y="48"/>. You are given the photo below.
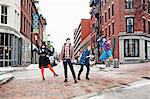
<point x="28" y="9"/>
<point x="82" y="36"/>
<point x="127" y="23"/>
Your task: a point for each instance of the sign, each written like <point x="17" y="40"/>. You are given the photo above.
<point x="35" y="23"/>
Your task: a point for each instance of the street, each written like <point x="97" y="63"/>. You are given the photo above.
<point x="138" y="90"/>
<point x="27" y="84"/>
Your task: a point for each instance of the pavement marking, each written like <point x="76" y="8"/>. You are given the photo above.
<point x="97" y="97"/>
<point x="138" y="85"/>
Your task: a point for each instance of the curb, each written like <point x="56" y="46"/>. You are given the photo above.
<point x="5" y="78"/>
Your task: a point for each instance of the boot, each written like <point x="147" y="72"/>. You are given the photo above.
<point x="65" y="80"/>
<point x="75" y="81"/>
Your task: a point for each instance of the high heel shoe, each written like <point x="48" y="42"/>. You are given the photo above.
<point x="43" y="78"/>
<point x="55" y="75"/>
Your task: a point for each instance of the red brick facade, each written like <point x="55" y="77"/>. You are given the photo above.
<point x="82" y="36"/>
<point x="118" y="7"/>
<point x="27" y="9"/>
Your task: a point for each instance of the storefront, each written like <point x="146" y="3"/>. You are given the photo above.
<point x="134" y="48"/>
<point x="10" y="50"/>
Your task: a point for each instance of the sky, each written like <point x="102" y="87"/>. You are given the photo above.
<point x="63" y="16"/>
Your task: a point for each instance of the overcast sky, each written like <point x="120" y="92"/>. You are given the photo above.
<point x="63" y="16"/>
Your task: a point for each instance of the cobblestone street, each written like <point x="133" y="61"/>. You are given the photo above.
<point x="28" y="84"/>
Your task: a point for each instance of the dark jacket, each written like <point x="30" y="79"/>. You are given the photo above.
<point x="44" y="54"/>
<point x="84" y="59"/>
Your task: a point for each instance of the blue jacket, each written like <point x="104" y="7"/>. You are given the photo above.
<point x="84" y="59"/>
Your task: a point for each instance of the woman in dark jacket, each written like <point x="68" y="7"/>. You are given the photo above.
<point x="44" y="61"/>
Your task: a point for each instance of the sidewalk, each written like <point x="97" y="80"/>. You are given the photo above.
<point x="55" y="88"/>
<point x="6" y="73"/>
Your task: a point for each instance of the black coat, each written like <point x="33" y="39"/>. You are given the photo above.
<point x="43" y="59"/>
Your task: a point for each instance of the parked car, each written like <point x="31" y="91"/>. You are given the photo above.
<point x="53" y="61"/>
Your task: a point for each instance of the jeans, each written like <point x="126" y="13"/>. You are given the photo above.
<point x="65" y="62"/>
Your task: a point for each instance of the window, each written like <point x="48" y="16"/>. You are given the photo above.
<point x="129" y="25"/>
<point x="1" y="52"/>
<point x="1" y="39"/>
<point x="109" y="13"/>
<point x="22" y="21"/>
<point x="6" y="39"/>
<point x="112" y="9"/>
<point x="105" y="31"/>
<point x="29" y="9"/>
<point x="144" y="25"/>
<point x="148" y="6"/>
<point x="113" y="31"/>
<point x="131" y="47"/>
<point x="144" y="5"/>
<point x="105" y="1"/>
<point x="102" y="3"/>
<point x="109" y="31"/>
<point x="129" y="4"/>
<point x="24" y="24"/>
<point x="148" y="26"/>
<point x="102" y="19"/>
<point x="4" y="14"/>
<point x="105" y="16"/>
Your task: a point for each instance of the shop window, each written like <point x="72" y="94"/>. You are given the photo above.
<point x="1" y="39"/>
<point x="6" y="39"/>
<point x="131" y="48"/>
<point x="6" y="53"/>
<point x="6" y="63"/>
<point x="1" y="52"/>
<point x="1" y="63"/>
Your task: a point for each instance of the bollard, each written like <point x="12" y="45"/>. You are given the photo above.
<point x="107" y="63"/>
<point x="115" y="63"/>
